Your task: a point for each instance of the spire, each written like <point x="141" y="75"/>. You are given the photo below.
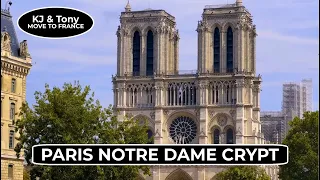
<point x="128" y="7"/>
<point x="239" y="2"/>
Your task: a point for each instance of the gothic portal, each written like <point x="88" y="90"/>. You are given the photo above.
<point x="218" y="104"/>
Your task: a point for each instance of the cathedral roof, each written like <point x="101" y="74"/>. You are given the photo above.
<point x="8" y="26"/>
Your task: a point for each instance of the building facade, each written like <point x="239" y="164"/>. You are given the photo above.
<point x="218" y="104"/>
<point x="273" y="126"/>
<point x="297" y="99"/>
<point x="15" y="66"/>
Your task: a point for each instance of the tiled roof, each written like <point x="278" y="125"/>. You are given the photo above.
<point x="7" y="25"/>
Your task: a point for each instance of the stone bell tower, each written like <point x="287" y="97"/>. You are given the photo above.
<point x="147" y="43"/>
<point x="226" y="37"/>
<point x="226" y="54"/>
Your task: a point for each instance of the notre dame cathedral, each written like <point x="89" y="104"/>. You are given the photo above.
<point x="217" y="104"/>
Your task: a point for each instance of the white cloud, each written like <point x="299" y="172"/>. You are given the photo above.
<point x="287" y="38"/>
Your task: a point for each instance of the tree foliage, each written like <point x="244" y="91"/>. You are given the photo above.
<point x="302" y="140"/>
<point x="243" y="173"/>
<point x="70" y="115"/>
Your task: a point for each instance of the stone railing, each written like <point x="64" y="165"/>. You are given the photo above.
<point x="220" y="72"/>
<point x="220" y="6"/>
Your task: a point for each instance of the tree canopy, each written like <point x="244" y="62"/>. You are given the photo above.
<point x="243" y="173"/>
<point x="70" y="115"/>
<point x="302" y="140"/>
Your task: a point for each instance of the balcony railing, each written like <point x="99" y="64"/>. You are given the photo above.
<point x="220" y="6"/>
<point x="184" y="73"/>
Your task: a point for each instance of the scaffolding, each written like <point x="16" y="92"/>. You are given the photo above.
<point x="297" y="99"/>
<point x="307" y="93"/>
<point x="273" y="126"/>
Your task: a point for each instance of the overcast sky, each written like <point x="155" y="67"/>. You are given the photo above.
<point x="287" y="44"/>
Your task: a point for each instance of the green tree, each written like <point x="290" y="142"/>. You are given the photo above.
<point x="302" y="140"/>
<point x="243" y="173"/>
<point x="70" y="115"/>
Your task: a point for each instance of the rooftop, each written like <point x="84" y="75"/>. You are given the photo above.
<point x="8" y="26"/>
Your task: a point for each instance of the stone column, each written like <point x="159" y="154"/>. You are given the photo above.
<point x="201" y="50"/>
<point x="114" y="98"/>
<point x="250" y="94"/>
<point x="119" y="50"/>
<point x="162" y="53"/>
<point x="242" y="49"/>
<point x="239" y="125"/>
<point x="203" y="116"/>
<point x="207" y="50"/>
<point x="254" y="49"/>
<point x="117" y="97"/>
<point x="127" y="53"/>
<point x="159" y="51"/>
<point x="201" y="173"/>
<point x="143" y="55"/>
<point x="158" y="126"/>
<point x="258" y="96"/>
<point x="248" y="51"/>
<point x="176" y="59"/>
<point x="167" y="53"/>
<point x="223" y="50"/>
<point x="123" y="62"/>
<point x="174" y="96"/>
<point x="223" y="139"/>
<point x="240" y="86"/>
<point x="156" y="173"/>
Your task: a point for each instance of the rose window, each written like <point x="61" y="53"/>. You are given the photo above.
<point x="183" y="130"/>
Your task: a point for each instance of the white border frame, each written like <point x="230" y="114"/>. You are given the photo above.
<point x="130" y="145"/>
<point x="56" y="38"/>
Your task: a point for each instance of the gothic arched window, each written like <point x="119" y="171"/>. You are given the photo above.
<point x="229" y="50"/>
<point x="230" y="136"/>
<point x="216" y="50"/>
<point x="150" y="135"/>
<point x="216" y="136"/>
<point x="136" y="54"/>
<point x="149" y="53"/>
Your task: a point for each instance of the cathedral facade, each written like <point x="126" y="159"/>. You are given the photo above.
<point x="15" y="66"/>
<point x="217" y="104"/>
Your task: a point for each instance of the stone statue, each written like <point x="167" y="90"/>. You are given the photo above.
<point x="24" y="52"/>
<point x="5" y="41"/>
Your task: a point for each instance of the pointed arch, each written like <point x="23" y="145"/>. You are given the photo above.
<point x="216" y="131"/>
<point x="142" y="119"/>
<point x="230" y="134"/>
<point x="229" y="49"/>
<point x="214" y="120"/>
<point x="178" y="174"/>
<point x="150" y="53"/>
<point x="147" y="29"/>
<point x="216" y="50"/>
<point x="135" y="29"/>
<point x="136" y="49"/>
